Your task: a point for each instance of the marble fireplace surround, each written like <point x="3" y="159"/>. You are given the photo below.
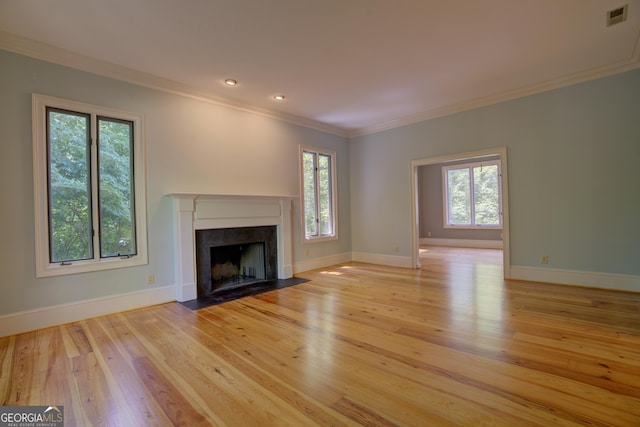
<point x="213" y="211"/>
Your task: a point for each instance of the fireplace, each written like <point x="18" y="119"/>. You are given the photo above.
<point x="230" y="258"/>
<point x="199" y="212"/>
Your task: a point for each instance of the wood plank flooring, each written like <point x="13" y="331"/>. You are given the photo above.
<point x="359" y="344"/>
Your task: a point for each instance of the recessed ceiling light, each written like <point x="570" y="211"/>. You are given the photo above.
<point x="230" y="82"/>
<point x="279" y="97"/>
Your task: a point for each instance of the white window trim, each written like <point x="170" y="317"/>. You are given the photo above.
<point x="44" y="268"/>
<point x="445" y="196"/>
<point x="334" y="194"/>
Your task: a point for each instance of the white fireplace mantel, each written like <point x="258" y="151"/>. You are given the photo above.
<point x="210" y="211"/>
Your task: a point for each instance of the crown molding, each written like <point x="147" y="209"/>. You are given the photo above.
<point x="42" y="51"/>
<point x="632" y="62"/>
<point x="31" y="48"/>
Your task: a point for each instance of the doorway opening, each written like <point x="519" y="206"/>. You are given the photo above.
<point x="495" y="153"/>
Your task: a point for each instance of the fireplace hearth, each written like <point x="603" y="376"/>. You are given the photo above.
<point x="232" y="258"/>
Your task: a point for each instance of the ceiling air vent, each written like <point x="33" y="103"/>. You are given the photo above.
<point x="617" y="16"/>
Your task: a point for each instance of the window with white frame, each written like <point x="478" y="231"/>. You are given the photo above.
<point x="318" y="176"/>
<point x="89" y="187"/>
<point x="472" y="195"/>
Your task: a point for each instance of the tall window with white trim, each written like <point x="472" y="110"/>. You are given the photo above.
<point x="89" y="187"/>
<point x="318" y="193"/>
<point x="472" y="195"/>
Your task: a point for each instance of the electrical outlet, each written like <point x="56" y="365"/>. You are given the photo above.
<point x="151" y="279"/>
<point x="307" y="252"/>
<point x="397" y="249"/>
<point x="429" y="234"/>
<point x="544" y="259"/>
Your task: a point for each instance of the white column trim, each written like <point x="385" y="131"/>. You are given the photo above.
<point x="185" y="288"/>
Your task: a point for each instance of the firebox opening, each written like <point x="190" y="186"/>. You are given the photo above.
<point x="235" y="266"/>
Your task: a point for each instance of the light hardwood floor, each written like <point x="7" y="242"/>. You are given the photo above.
<point x="360" y="344"/>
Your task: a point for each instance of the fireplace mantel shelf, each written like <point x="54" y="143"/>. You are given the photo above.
<point x="232" y="196"/>
<point x="195" y="211"/>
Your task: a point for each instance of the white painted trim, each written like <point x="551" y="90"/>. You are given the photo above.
<point x="334" y="193"/>
<point x="212" y="211"/>
<point x="45" y="268"/>
<point x="34" y="49"/>
<point x="415" y="238"/>
<point x="462" y="243"/>
<point x="30" y="320"/>
<point x="322" y="262"/>
<point x="185" y="289"/>
<point x="380" y="259"/>
<point x="445" y="195"/>
<point x="618" y="282"/>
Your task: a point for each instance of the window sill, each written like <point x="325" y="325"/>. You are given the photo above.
<point x="319" y="239"/>
<point x="77" y="267"/>
<point x="473" y="227"/>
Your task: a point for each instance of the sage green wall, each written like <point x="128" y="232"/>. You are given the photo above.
<point x="192" y="147"/>
<point x="574" y="175"/>
<point x="573" y="158"/>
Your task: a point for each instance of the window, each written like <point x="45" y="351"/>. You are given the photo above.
<point x="318" y="193"/>
<point x="472" y="195"/>
<point x="89" y="187"/>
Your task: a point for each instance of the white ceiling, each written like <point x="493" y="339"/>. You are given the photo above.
<point x="347" y="66"/>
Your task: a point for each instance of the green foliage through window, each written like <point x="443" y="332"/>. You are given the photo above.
<point x="69" y="186"/>
<point x="472" y="194"/>
<point x="318" y="198"/>
<point x="79" y="197"/>
<point x="115" y="160"/>
<point x="309" y="167"/>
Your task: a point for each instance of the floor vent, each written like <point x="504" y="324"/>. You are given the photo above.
<point x="617" y="16"/>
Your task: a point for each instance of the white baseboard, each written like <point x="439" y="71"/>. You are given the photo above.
<point x="315" y="263"/>
<point x="390" y="260"/>
<point x="29" y="320"/>
<point x="618" y="282"/>
<point x="462" y="243"/>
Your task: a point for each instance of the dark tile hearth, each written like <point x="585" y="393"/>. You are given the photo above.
<point x="245" y="291"/>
